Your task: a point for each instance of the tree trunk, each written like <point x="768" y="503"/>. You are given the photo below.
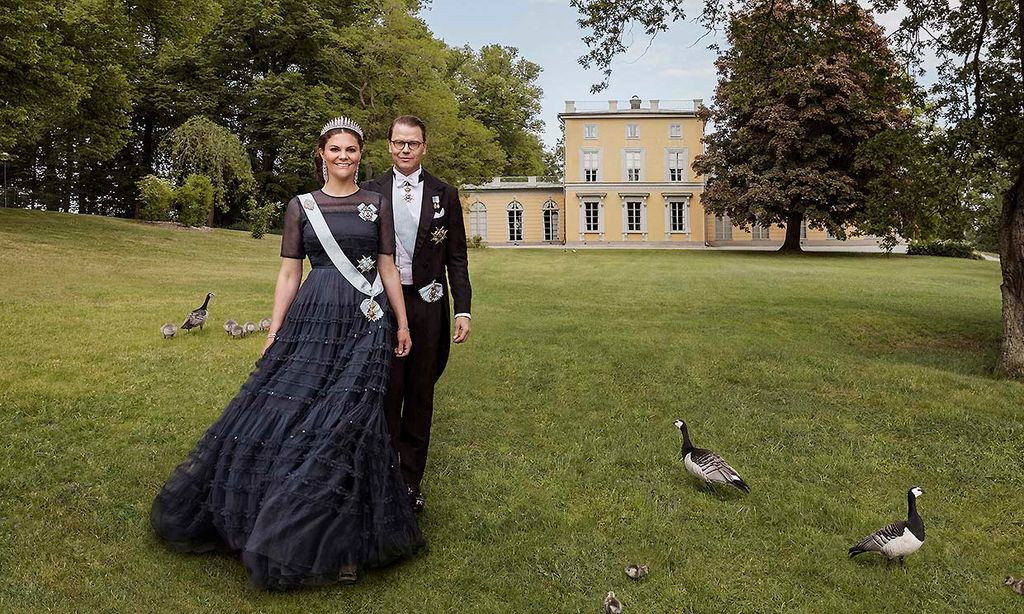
<point x="792" y="242"/>
<point x="1011" y="258"/>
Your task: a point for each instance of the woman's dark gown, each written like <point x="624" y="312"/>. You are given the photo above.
<point x="298" y="475"/>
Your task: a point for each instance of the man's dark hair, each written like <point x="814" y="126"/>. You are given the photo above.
<point x="409" y="120"/>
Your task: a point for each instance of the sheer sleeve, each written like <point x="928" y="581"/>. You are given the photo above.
<point x="291" y="238"/>
<point x="386" y="228"/>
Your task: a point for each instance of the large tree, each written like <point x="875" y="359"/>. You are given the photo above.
<point x="801" y="88"/>
<point x="981" y="89"/>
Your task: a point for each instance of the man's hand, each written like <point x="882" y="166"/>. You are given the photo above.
<point x="461" y="329"/>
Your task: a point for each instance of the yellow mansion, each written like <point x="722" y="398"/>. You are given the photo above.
<point x="628" y="182"/>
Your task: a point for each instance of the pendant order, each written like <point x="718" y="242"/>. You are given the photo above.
<point x="372" y="310"/>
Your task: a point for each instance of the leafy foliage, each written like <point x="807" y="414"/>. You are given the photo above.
<point x="259" y="215"/>
<point x="157" y="197"/>
<point x="942" y="247"/>
<point x="200" y="146"/>
<point x="194" y="200"/>
<point x="791" y="124"/>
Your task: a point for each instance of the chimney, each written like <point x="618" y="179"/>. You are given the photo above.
<point x="654" y="104"/>
<point x="570" y="106"/>
<point x="613" y="105"/>
<point x="634" y="102"/>
<point x="698" y="103"/>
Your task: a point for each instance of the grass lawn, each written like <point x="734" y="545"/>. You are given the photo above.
<point x="833" y="383"/>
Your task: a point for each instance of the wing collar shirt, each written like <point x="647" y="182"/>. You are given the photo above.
<point x="415" y="203"/>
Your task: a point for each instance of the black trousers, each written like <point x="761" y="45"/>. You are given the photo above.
<point x="409" y="401"/>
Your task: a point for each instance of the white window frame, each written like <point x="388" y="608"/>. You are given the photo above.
<point x="478" y="220"/>
<point x="634" y="208"/>
<point x="551" y="221"/>
<point x="723" y="228"/>
<point x="639" y="156"/>
<point x="515" y="210"/>
<point x="632" y="131"/>
<point x="675" y="131"/>
<point x="670" y="219"/>
<point x="593" y="155"/>
<point x="590" y="131"/>
<point x="803" y="230"/>
<point x="679" y="153"/>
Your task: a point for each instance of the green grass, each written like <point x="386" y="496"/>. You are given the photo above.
<point x="832" y="382"/>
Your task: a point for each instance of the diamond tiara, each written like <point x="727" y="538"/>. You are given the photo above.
<point x="342" y="122"/>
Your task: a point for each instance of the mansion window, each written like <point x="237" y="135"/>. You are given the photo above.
<point x="679" y="216"/>
<point x="632" y="131"/>
<point x="803" y="229"/>
<point x="590" y="131"/>
<point x="515" y="221"/>
<point x="634" y="216"/>
<point x="677" y="164"/>
<point x="551" y="224"/>
<point x="591" y="216"/>
<point x="591" y="161"/>
<point x="675" y="131"/>
<point x="760" y="233"/>
<point x="478" y="220"/>
<point x="723" y="228"/>
<point x="632" y="165"/>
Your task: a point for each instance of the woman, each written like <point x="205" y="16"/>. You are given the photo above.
<point x="297" y="475"/>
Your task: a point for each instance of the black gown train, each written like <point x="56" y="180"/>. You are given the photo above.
<point x="298" y="474"/>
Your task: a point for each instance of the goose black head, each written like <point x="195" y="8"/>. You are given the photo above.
<point x="916" y="491"/>
<point x="687" y="445"/>
<point x="1010" y="580"/>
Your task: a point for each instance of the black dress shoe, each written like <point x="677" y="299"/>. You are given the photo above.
<point x="417" y="500"/>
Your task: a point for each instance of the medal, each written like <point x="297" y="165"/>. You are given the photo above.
<point x="437" y="202"/>
<point x="364" y="264"/>
<point x="432" y="292"/>
<point x="367" y="212"/>
<point x="371" y="309"/>
<point x="407" y="187"/>
<point x="439" y="235"/>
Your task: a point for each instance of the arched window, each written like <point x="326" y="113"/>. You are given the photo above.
<point x="552" y="229"/>
<point x="478" y="220"/>
<point x="515" y="221"/>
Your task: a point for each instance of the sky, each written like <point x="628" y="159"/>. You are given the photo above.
<point x="676" y="65"/>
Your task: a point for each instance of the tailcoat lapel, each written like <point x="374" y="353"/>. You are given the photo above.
<point x="430" y="190"/>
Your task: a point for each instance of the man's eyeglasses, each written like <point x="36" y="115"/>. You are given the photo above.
<point x="400" y="145"/>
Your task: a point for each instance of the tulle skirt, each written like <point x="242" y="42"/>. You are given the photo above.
<point x="298" y="474"/>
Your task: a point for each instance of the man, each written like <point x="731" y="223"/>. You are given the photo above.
<point x="431" y="257"/>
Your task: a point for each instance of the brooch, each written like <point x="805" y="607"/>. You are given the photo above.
<point x="439" y="235"/>
<point x="364" y="264"/>
<point x="367" y="212"/>
<point x="307" y="204"/>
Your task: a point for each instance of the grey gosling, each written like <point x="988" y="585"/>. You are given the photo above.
<point x="237" y="332"/>
<point x="250" y="327"/>
<point x="168" y="330"/>
<point x="265" y="324"/>
<point x="1016" y="584"/>
<point x="636" y="571"/>
<point x="227" y="326"/>
<point x="198" y="315"/>
<point x="707" y="466"/>
<point x="898" y="539"/>
<point x="611" y="604"/>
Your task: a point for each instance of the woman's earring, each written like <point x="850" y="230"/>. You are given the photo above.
<point x="323" y="165"/>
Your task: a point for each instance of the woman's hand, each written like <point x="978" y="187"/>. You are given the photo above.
<point x="267" y="344"/>
<point x="404" y="343"/>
